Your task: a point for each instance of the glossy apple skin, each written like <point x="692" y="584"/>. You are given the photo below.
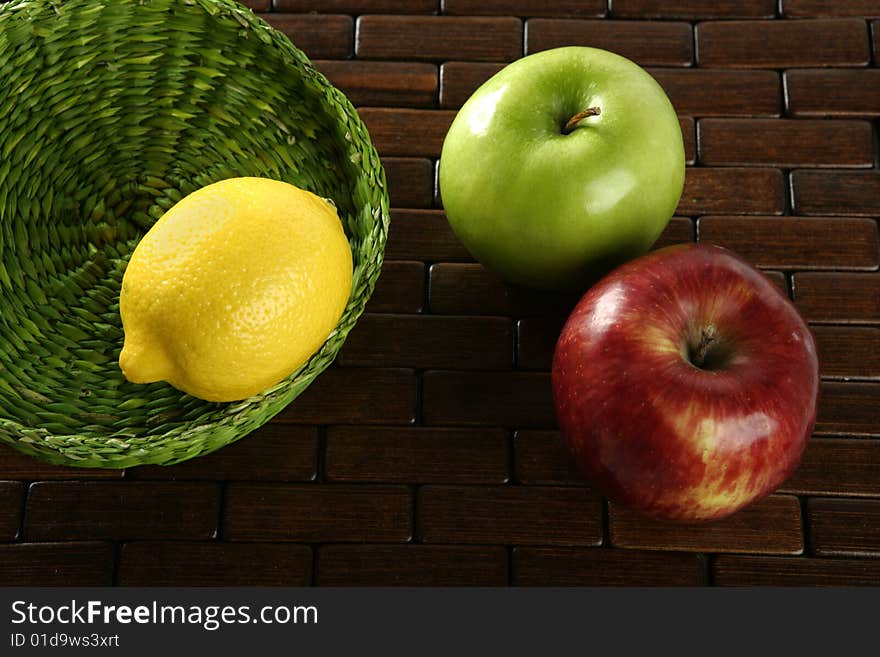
<point x="658" y="434"/>
<point x="550" y="210"/>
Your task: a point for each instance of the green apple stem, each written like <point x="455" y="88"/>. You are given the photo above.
<point x="580" y="116"/>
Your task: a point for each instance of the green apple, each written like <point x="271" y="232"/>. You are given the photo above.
<point x="561" y="166"/>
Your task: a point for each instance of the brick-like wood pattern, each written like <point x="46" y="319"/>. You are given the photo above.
<point x="743" y="190"/>
<point x="428" y="454"/>
<point x="841" y="527"/>
<point x="771" y="526"/>
<point x="303" y="513"/>
<point x="783" y="44"/>
<point x="796" y="242"/>
<point x="542" y="566"/>
<point x="119" y="510"/>
<point x="551" y="515"/>
<point x="328" y="36"/>
<point x="573" y="8"/>
<point x="849" y="409"/>
<point x="848" y="352"/>
<point x="838" y="466"/>
<point x="845" y="92"/>
<point x="11" y="496"/>
<point x="720" y="92"/>
<point x="179" y="563"/>
<point x="838" y="297"/>
<point x="417" y="455"/>
<point x="693" y="9"/>
<point x="65" y="563"/>
<point x="749" y="570"/>
<point x="412" y="565"/>
<point x="820" y="8"/>
<point x="786" y="143"/>
<point x="836" y="192"/>
<point x="438" y="38"/>
<point x="645" y="42"/>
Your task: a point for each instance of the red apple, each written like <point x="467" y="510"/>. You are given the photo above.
<point x="686" y="384"/>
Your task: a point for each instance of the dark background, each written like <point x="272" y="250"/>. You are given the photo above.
<point x="427" y="454"/>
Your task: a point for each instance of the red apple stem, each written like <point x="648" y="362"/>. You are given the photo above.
<point x="580" y="116"/>
<point x="707" y="339"/>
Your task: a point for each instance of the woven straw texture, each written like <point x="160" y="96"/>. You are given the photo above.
<point x="113" y="110"/>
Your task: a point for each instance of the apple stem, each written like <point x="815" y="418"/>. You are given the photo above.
<point x="580" y="116"/>
<point x="707" y="339"/>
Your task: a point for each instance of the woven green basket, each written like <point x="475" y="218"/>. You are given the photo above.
<point x="110" y="112"/>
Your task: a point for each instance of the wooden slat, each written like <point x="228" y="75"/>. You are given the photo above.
<point x="855" y="193"/>
<point x="438" y="38"/>
<point x="742" y="570"/>
<point x="11" y="497"/>
<point x="15" y="465"/>
<point x="319" y="36"/>
<point x="425" y="341"/>
<point x="645" y="42"/>
<point x="823" y="8"/>
<point x="783" y="44"/>
<point x="400" y="288"/>
<point x="875" y="39"/>
<point x="424" y="235"/>
<point x="786" y="143"/>
<point x="693" y="9"/>
<point x="541" y="457"/>
<point x="837" y="466"/>
<point x="844" y="527"/>
<point x="535" y="341"/>
<point x="848" y="352"/>
<point x="410" y="182"/>
<point x="407" y="132"/>
<point x="315" y="512"/>
<point x="358" y="395"/>
<point x="392" y="84"/>
<point x="507" y="399"/>
<point x="179" y="563"/>
<point x="838" y="297"/>
<point x="417" y="455"/>
<point x="358" y="6"/>
<point x="274" y="452"/>
<point x="770" y="526"/>
<point x="68" y="563"/>
<point x="470" y="289"/>
<point x="458" y="80"/>
<point x="411" y="565"/>
<point x="779" y="280"/>
<point x="735" y="190"/>
<point x="572" y="8"/>
<point x="796" y="242"/>
<point x="67" y="510"/>
<point x="539" y="566"/>
<point x="509" y="515"/>
<point x="689" y="134"/>
<point x="679" y="230"/>
<point x="833" y="92"/>
<point x="719" y="92"/>
<point x="849" y="409"/>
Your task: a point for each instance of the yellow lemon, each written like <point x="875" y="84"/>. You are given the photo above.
<point x="234" y="288"/>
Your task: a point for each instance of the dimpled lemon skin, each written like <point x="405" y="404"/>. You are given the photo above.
<point x="233" y="289"/>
